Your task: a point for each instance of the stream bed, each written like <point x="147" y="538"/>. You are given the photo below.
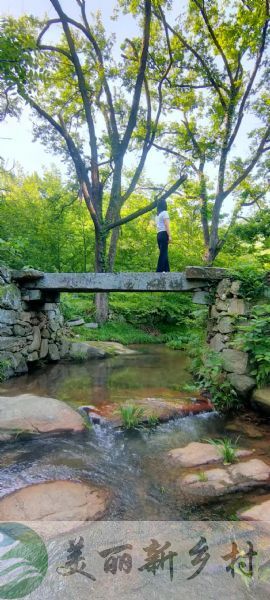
<point x="131" y="464"/>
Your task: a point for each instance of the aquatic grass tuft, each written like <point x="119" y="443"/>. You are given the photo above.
<point x="131" y="416"/>
<point x="226" y="448"/>
<point x="202" y="476"/>
<point x="152" y="420"/>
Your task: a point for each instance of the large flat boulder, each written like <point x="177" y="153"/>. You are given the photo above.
<point x="196" y="454"/>
<point x="261" y="398"/>
<point x="234" y="478"/>
<point x="259" y="512"/>
<point x="32" y="414"/>
<point x="82" y="351"/>
<point x="55" y="501"/>
<point x="163" y="410"/>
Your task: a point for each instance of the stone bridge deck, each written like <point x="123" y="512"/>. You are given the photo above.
<point x="192" y="279"/>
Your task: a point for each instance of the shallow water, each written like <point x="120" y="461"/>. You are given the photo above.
<point x="133" y="465"/>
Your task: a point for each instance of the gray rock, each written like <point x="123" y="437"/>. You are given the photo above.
<point x="11" y="343"/>
<point x="51" y="501"/>
<point x="32" y="296"/>
<point x="223" y="288"/>
<point x="53" y="326"/>
<point x="235" y="287"/>
<point x="5" y="274"/>
<point x="53" y="352"/>
<point x="5" y="330"/>
<point x="216" y="343"/>
<point x="44" y="348"/>
<point x="80" y="351"/>
<point x="75" y="322"/>
<point x="210" y="273"/>
<point x="237" y="307"/>
<point x="20" y="364"/>
<point x="36" y="414"/>
<point x="26" y="275"/>
<point x="235" y="361"/>
<point x="35" y="345"/>
<point x="10" y="297"/>
<point x="32" y="357"/>
<point x="243" y="384"/>
<point x="45" y="333"/>
<point x="49" y="306"/>
<point x="64" y="348"/>
<point x="234" y="478"/>
<point x="225" y="325"/>
<point x="222" y="305"/>
<point x="8" y="317"/>
<point x="261" y="398"/>
<point x="25" y="316"/>
<point x="91" y="325"/>
<point x="22" y="330"/>
<point x="214" y="313"/>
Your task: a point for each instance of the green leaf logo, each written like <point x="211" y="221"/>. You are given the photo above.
<point x="23" y="560"/>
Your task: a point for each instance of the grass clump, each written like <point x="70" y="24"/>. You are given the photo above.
<point x="202" y="476"/>
<point x="152" y="421"/>
<point x="131" y="416"/>
<point x="226" y="448"/>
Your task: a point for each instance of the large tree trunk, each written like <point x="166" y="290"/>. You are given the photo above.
<point x="101" y="298"/>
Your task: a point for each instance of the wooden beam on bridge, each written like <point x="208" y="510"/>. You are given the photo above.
<point x="115" y="282"/>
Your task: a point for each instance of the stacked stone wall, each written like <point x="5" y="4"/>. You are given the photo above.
<point x="30" y="330"/>
<point x="228" y="305"/>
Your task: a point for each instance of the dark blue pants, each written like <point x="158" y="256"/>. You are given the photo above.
<point x="163" y="261"/>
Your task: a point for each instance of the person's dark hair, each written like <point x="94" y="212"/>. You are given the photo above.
<point x="162" y="205"/>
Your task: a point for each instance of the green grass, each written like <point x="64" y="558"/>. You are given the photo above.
<point x="131" y="416"/>
<point x="226" y="448"/>
<point x="202" y="476"/>
<point x="122" y="332"/>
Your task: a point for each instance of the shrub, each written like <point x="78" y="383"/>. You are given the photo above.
<point x="254" y="337"/>
<point x="252" y="281"/>
<point x="208" y="370"/>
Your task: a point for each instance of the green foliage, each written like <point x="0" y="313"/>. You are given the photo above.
<point x="252" y="281"/>
<point x="254" y="337"/>
<point x="226" y="448"/>
<point x="152" y="421"/>
<point x="122" y="332"/>
<point x="178" y="343"/>
<point x="4" y="365"/>
<point x="131" y="416"/>
<point x="202" y="476"/>
<point x="207" y="368"/>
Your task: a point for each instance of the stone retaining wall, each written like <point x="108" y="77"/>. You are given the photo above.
<point x="228" y="305"/>
<point x="29" y="330"/>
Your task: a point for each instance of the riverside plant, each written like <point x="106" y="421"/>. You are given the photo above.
<point x="226" y="448"/>
<point x="131" y="416"/>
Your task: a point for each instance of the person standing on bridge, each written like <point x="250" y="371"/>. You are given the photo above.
<point x="163" y="236"/>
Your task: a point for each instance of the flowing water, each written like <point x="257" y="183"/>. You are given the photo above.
<point x="132" y="464"/>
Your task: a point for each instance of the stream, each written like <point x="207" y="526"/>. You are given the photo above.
<point x="130" y="464"/>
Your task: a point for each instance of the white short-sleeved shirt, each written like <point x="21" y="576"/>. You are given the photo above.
<point x="160" y="220"/>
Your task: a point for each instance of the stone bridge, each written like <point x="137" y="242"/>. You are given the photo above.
<point x="36" y="285"/>
<point x="31" y="323"/>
